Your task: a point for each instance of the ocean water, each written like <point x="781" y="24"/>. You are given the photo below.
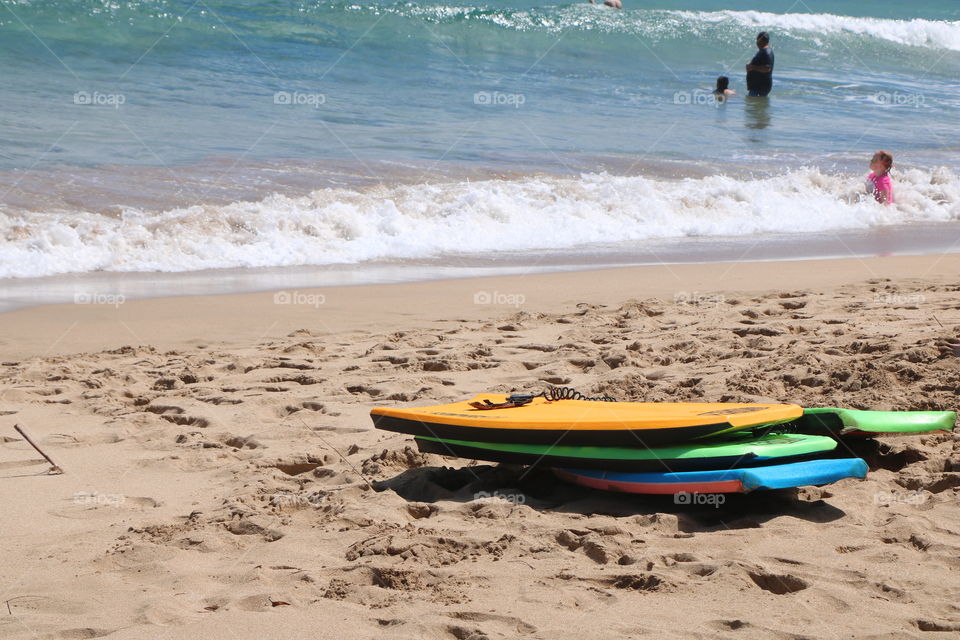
<point x="173" y="135"/>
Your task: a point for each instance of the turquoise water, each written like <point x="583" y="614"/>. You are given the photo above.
<point x="219" y="103"/>
<point x="398" y="80"/>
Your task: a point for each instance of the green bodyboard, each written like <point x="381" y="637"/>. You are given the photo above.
<point x="772" y="445"/>
<point x="842" y="421"/>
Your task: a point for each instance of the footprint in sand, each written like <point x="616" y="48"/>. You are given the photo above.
<point x="82" y="632"/>
<point x="302" y="380"/>
<point x="638" y="582"/>
<point x="93" y="504"/>
<point x="16" y="464"/>
<point x="466" y="633"/>
<point x="187" y="421"/>
<point x="263" y="602"/>
<point x="250" y="528"/>
<point x="219" y="400"/>
<point x="509" y="624"/>
<point x="176" y="415"/>
<point x="779" y="584"/>
<point x="934" y="625"/>
<point x="730" y="625"/>
<point x="294" y="467"/>
<point x="357" y="389"/>
<point x="165" y="613"/>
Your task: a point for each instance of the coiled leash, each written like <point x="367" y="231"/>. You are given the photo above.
<point x="552" y="394"/>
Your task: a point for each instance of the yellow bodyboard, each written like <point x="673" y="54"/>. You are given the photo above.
<point x="583" y="421"/>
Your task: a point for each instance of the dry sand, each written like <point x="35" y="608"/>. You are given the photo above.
<point x="206" y="497"/>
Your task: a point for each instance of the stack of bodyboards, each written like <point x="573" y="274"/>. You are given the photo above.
<point x="656" y="448"/>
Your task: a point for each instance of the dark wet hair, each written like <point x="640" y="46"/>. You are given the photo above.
<point x="763" y="35"/>
<point x="723" y="82"/>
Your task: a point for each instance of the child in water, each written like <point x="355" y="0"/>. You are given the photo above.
<point x="878" y="182"/>
<point x="722" y="90"/>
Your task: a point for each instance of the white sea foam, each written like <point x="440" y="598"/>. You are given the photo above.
<point x="938" y="34"/>
<point x="919" y="32"/>
<point x="334" y="226"/>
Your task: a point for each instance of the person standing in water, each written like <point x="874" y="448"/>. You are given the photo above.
<point x="879" y="182"/>
<point x="760" y="69"/>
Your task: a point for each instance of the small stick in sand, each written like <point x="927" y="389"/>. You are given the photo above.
<point x="938" y="321"/>
<point x="56" y="468"/>
<point x="7" y="602"/>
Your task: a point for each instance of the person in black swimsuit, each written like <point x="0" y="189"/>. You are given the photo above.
<point x="760" y="69"/>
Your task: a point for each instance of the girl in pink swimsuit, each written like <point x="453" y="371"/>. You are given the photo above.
<point x="878" y="182"/>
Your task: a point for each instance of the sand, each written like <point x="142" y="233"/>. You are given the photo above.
<point x="223" y="479"/>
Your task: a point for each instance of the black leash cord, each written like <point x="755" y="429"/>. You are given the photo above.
<point x="569" y="393"/>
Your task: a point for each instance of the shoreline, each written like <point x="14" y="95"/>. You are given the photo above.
<point x="898" y="240"/>
<point x="241" y="317"/>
